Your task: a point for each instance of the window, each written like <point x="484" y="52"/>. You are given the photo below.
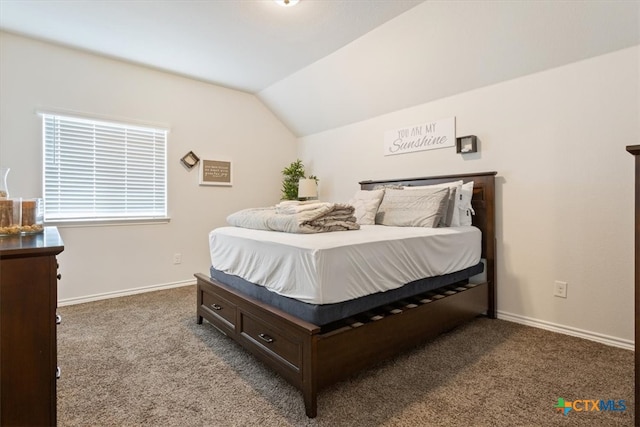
<point x="103" y="171"/>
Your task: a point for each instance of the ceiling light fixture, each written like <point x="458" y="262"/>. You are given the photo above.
<point x="287" y="2"/>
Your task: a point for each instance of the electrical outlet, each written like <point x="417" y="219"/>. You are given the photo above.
<point x="177" y="258"/>
<point x="560" y="289"/>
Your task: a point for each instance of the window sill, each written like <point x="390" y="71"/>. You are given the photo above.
<point x="73" y="223"/>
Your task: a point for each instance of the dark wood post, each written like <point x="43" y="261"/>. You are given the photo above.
<point x="635" y="150"/>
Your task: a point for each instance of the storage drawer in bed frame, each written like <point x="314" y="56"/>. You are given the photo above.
<point x="312" y="357"/>
<point x="218" y="308"/>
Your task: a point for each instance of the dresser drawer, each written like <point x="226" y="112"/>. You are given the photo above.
<point x="219" y="308"/>
<point x="271" y="341"/>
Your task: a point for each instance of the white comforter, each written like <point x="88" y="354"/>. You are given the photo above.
<point x="334" y="267"/>
<point x="318" y="217"/>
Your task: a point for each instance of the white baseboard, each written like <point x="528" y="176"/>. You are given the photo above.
<point x="510" y="317"/>
<point x="126" y="292"/>
<point x="567" y="330"/>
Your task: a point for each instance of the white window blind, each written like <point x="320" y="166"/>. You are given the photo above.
<point x="96" y="170"/>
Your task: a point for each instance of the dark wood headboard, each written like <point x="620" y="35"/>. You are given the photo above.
<point x="483" y="203"/>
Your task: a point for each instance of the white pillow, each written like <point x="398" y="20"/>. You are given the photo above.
<point x="464" y="208"/>
<point x="452" y="216"/>
<point x="417" y="208"/>
<point x="366" y="204"/>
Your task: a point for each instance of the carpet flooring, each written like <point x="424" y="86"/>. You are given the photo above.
<point x="143" y="361"/>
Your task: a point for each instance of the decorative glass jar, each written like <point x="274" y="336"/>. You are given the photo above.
<point x="4" y="192"/>
<point x="10" y="217"/>
<point x="32" y="216"/>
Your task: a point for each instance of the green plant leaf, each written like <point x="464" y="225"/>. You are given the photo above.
<point x="292" y="175"/>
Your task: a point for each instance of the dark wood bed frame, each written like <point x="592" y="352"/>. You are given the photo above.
<point x="312" y="357"/>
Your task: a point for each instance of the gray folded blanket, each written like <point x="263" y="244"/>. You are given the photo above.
<point x="292" y="217"/>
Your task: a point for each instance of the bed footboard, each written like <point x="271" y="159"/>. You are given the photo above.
<point x="310" y="357"/>
<point x="283" y="342"/>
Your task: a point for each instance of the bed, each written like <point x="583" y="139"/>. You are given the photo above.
<point x="316" y="339"/>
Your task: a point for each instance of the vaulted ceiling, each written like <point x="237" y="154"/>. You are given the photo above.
<point x="323" y="64"/>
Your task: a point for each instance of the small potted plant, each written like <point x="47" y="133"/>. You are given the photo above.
<point x="292" y="175"/>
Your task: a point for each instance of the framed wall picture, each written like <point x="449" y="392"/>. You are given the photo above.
<point x="215" y="172"/>
<point x="190" y="159"/>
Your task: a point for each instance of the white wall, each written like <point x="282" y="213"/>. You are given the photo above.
<point x="210" y="120"/>
<point x="564" y="187"/>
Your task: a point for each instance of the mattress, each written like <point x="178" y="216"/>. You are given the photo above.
<point x="330" y="268"/>
<point x="325" y="314"/>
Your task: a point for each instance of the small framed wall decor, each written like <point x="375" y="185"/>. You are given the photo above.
<point x="467" y="144"/>
<point x="215" y="172"/>
<point x="190" y="159"/>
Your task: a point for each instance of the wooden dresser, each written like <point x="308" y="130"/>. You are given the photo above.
<point x="635" y="150"/>
<point x="28" y="301"/>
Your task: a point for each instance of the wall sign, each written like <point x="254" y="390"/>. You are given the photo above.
<point x="215" y="172"/>
<point x="428" y="136"/>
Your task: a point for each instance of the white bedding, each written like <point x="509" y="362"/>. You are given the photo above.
<point x="334" y="267"/>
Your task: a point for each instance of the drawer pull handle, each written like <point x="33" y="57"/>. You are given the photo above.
<point x="58" y="372"/>
<point x="266" y="338"/>
<point x="59" y="276"/>
<point x="216" y="307"/>
<point x="58" y="319"/>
